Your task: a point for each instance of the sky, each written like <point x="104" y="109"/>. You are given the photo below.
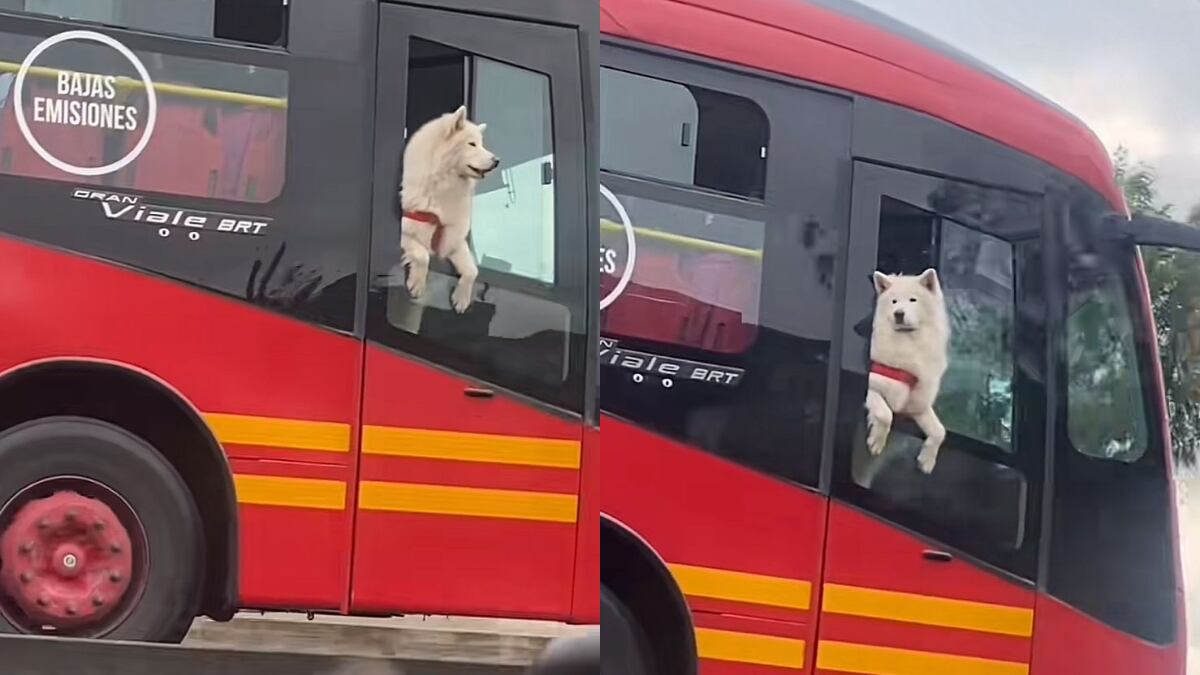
<point x="1127" y="68"/>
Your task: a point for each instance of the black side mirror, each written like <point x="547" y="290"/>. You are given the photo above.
<point x="576" y="655"/>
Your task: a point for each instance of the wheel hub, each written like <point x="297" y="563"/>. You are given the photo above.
<point x="66" y="560"/>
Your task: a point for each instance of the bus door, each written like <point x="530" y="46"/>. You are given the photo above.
<point x="934" y="572"/>
<point x="1111" y="578"/>
<point x="467" y="492"/>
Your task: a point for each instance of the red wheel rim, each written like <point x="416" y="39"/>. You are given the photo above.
<point x="73" y="558"/>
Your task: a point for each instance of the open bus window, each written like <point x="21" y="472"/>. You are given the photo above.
<point x="688" y="136"/>
<point x="517" y="330"/>
<point x="976" y="273"/>
<point x="974" y="498"/>
<point x="229" y="120"/>
<point x="1105" y="415"/>
<point x="254" y="21"/>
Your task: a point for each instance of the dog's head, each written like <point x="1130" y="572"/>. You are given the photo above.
<point x="449" y="144"/>
<point x="464" y="145"/>
<point x="905" y="302"/>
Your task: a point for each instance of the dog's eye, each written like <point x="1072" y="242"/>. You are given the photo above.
<point x="894" y="301"/>
<point x="912" y="299"/>
<point x="472" y="144"/>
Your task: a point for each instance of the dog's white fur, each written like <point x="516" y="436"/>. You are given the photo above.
<point x="911" y="332"/>
<point x="443" y="162"/>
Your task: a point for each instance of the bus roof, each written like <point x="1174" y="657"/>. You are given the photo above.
<point x="842" y="44"/>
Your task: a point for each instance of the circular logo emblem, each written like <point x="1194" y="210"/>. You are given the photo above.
<point x="609" y="257"/>
<point x="88" y="86"/>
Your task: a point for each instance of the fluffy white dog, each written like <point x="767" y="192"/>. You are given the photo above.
<point x="909" y="341"/>
<point x="443" y="162"/>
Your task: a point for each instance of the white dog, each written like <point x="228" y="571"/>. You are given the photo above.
<point x="909" y="341"/>
<point x="443" y="162"/>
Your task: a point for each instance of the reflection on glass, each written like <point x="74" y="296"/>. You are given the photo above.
<point x="229" y="120"/>
<point x="1105" y="414"/>
<point x="696" y="281"/>
<point x="967" y="495"/>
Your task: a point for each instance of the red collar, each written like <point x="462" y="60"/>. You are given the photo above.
<point x="424" y="217"/>
<point x="431" y="219"/>
<point x="902" y="376"/>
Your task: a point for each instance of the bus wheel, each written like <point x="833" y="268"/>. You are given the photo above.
<point x="626" y="647"/>
<point x="99" y="536"/>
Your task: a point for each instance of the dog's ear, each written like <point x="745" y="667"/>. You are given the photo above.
<point x="457" y="119"/>
<point x="929" y="279"/>
<point x="482" y="127"/>
<point x="882" y="281"/>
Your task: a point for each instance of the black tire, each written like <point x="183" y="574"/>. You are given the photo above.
<point x="626" y="646"/>
<point x="127" y="465"/>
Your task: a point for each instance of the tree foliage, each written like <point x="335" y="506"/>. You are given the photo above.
<point x="1174" y="278"/>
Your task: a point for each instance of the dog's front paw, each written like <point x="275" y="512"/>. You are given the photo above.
<point x="926" y="459"/>
<point x="461" y="298"/>
<point x="415" y="283"/>
<point x="876" y="437"/>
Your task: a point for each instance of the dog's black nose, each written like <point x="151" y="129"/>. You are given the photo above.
<point x="495" y="162"/>
<point x="899" y="314"/>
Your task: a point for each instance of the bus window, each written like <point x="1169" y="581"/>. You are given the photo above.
<point x="228" y="119"/>
<point x="976" y="271"/>
<point x="979" y="497"/>
<point x="718" y="334"/>
<point x="967" y="491"/>
<point x="518" y="330"/>
<point x="1106" y="418"/>
<point x="255" y="21"/>
<point x="690" y="136"/>
<point x="1111" y="550"/>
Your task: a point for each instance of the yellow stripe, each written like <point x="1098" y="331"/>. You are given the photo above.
<point x="466" y="447"/>
<point x="186" y="91"/>
<point x="280" y="433"/>
<point x="758" y="589"/>
<point x="928" y="610"/>
<point x="464" y="501"/>
<point x="856" y="658"/>
<point x="763" y="650"/>
<point x="306" y="493"/>
<point x="685" y="241"/>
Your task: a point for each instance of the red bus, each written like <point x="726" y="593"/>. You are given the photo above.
<point x="216" y="391"/>
<point x="791" y="149"/>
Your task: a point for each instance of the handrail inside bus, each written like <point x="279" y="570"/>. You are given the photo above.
<point x="183" y="90"/>
<point x="685" y="241"/>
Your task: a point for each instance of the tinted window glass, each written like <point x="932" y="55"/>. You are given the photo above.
<point x="257" y="21"/>
<point x="721" y="336"/>
<point x="520" y="330"/>
<point x="1105" y="414"/>
<point x="1112" y="550"/>
<point x="220" y="130"/>
<point x="689" y="135"/>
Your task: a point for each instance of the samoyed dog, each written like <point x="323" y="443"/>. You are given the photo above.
<point x="910" y="336"/>
<point x="443" y="162"/>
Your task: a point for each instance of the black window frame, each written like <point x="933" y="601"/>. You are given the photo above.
<point x="523" y="44"/>
<point x="872" y="183"/>
<point x="692" y="186"/>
